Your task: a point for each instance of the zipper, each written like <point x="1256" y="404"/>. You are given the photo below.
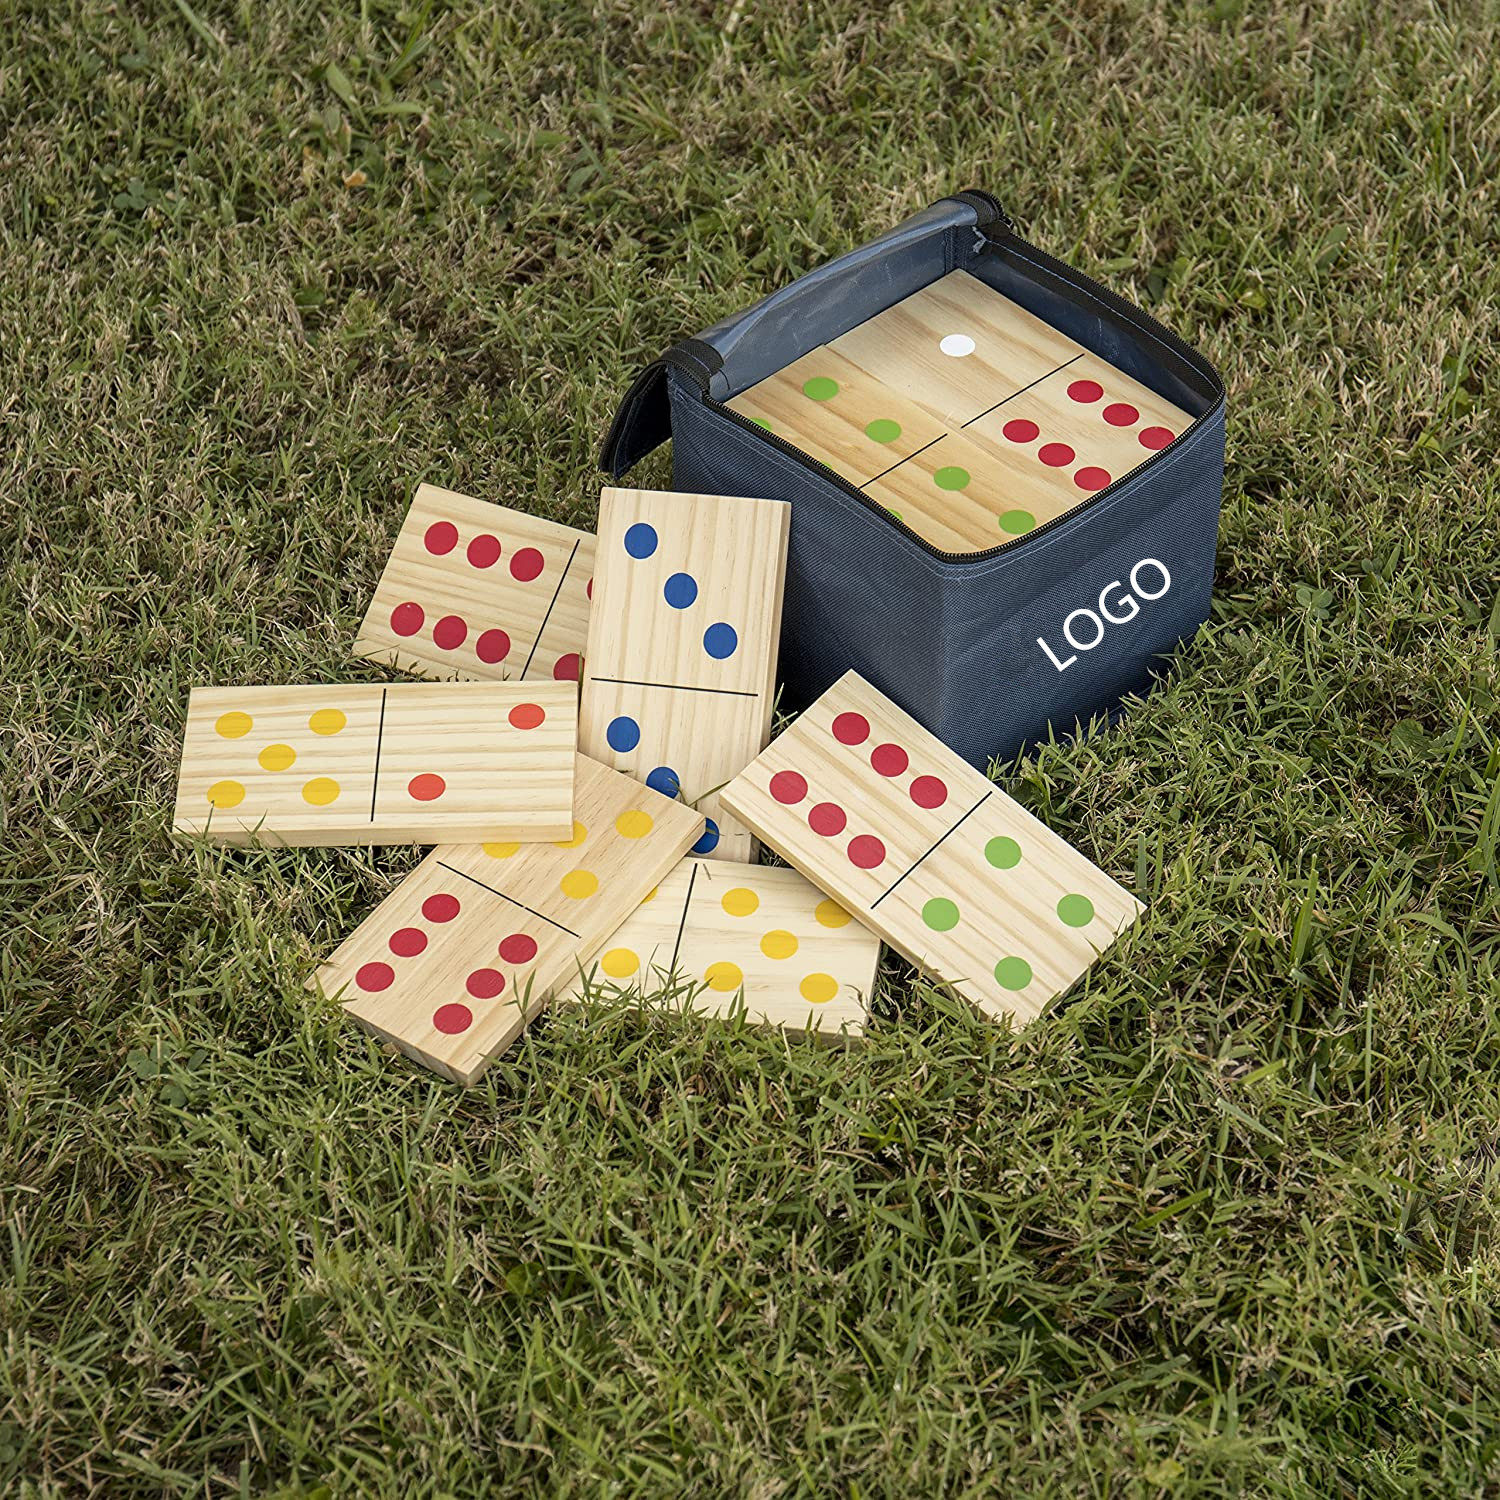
<point x="1134" y="315"/>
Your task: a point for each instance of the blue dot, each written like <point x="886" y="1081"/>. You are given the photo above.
<point x="640" y="540"/>
<point x="681" y="590"/>
<point x="709" y="842"/>
<point x="720" y="640"/>
<point x="623" y="733"/>
<point x="664" y="780"/>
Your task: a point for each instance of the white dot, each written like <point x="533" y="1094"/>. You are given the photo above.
<point x="957" y="344"/>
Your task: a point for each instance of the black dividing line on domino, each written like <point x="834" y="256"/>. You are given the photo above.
<point x="474" y="879"/>
<point x="682" y="924"/>
<point x="550" y="607"/>
<point x="379" y="737"/>
<point x="678" y="687"/>
<point x="881" y="897"/>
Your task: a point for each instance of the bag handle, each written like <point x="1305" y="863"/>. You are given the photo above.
<point x="644" y="419"/>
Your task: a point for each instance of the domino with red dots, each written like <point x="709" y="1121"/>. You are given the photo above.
<point x="470" y="948"/>
<point x="716" y="934"/>
<point x="474" y="590"/>
<point x="929" y="853"/>
<point x="680" y="667"/>
<point x="413" y="763"/>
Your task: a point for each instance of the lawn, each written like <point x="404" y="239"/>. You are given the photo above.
<point x="1223" y="1224"/>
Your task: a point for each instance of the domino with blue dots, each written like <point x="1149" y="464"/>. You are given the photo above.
<point x="680" y="667"/>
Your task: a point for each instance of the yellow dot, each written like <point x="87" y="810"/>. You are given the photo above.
<point x="580" y="833"/>
<point x="328" y="721"/>
<point x="226" y="794"/>
<point x="635" y="824"/>
<point x="320" y="791"/>
<point x="619" y="963"/>
<point x="277" y="758"/>
<point x="819" y="989"/>
<point x="500" y="851"/>
<point x="650" y="895"/>
<point x="778" y="944"/>
<point x="233" y="725"/>
<point x="579" y="883"/>
<point x="831" y="914"/>
<point x="740" y="902"/>
<point x="725" y="977"/>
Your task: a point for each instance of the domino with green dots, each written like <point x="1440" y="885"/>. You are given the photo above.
<point x="929" y="854"/>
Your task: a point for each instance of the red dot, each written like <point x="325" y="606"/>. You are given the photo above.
<point x="492" y="646"/>
<point x="375" y="976"/>
<point x="441" y="538"/>
<point x="566" y="668"/>
<point x="851" y="729"/>
<point x="866" y="851"/>
<point x="590" y="589"/>
<point x="484" y="550"/>
<point x="526" y="564"/>
<point x="1055" y="454"/>
<point x="441" y="907"/>
<point x="485" y="984"/>
<point x="928" y="791"/>
<point x="449" y="633"/>
<point x="827" y="818"/>
<point x="406" y="619"/>
<point x="1085" y="390"/>
<point x="1156" y="437"/>
<point x="518" y="948"/>
<point x="1121" y="414"/>
<point x="453" y="1018"/>
<point x="427" y="787"/>
<point x="1021" y="430"/>
<point x="407" y="942"/>
<point x="788" y="787"/>
<point x="1091" y="479"/>
<point x="889" y="760"/>
<point x="526" y="716"/>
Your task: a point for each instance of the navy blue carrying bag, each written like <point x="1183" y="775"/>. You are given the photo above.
<point x="989" y="649"/>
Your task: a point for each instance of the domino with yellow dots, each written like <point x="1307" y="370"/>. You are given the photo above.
<point x="472" y="945"/>
<point x="714" y="934"/>
<point x="424" y="763"/>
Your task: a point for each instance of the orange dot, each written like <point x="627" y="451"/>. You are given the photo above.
<point x="526" y="715"/>
<point x="427" y="787"/>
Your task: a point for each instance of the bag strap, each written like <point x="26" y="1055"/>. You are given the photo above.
<point x="644" y="420"/>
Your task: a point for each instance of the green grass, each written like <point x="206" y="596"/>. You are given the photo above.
<point x="1225" y="1224"/>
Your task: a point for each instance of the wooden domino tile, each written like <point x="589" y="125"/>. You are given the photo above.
<point x="416" y="762"/>
<point x="714" y="931"/>
<point x="930" y="854"/>
<point x="956" y="347"/>
<point x="471" y="946"/>
<point x="1069" y="436"/>
<point x="837" y="414"/>
<point x="474" y="590"/>
<point x="681" y="660"/>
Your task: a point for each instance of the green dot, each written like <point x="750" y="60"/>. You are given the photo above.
<point x="761" y="422"/>
<point x="895" y="513"/>
<point x="1004" y="854"/>
<point x="820" y="388"/>
<point x="883" y="430"/>
<point x="940" y="914"/>
<point x="1013" y="973"/>
<point x="1076" y="911"/>
<point x="1017" y="522"/>
<point x="951" y="478"/>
